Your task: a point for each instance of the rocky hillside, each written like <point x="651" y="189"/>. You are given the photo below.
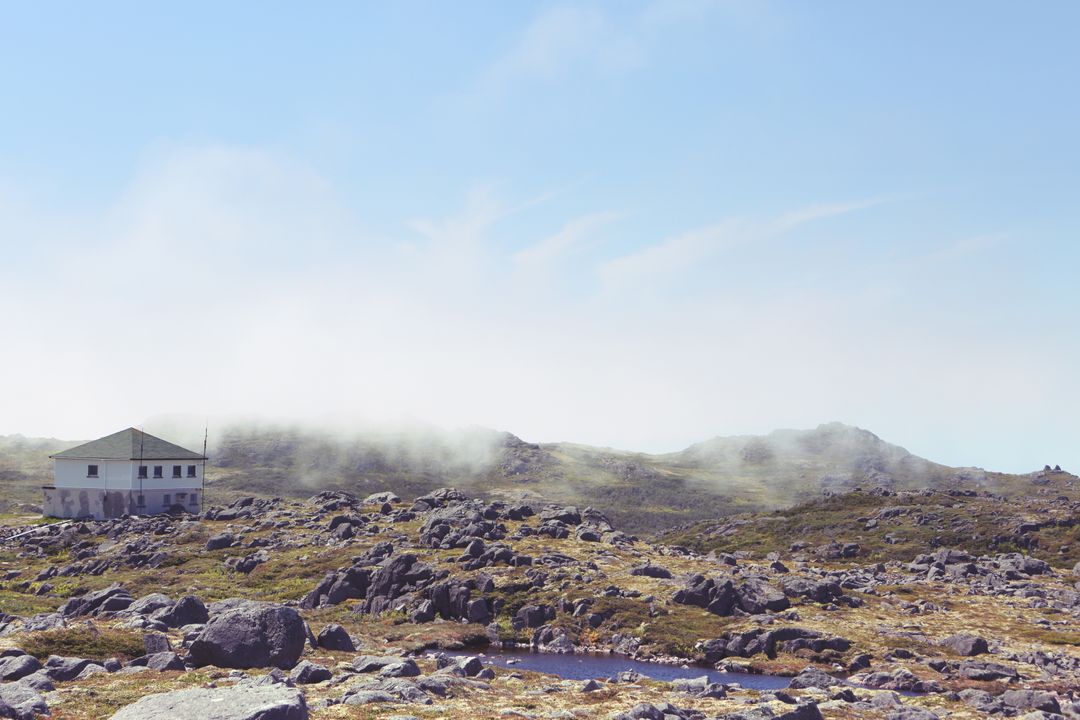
<point x="641" y="492"/>
<point x="1040" y="517"/>
<point x="337" y="607"/>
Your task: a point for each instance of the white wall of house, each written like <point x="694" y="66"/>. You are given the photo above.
<point x="123" y="474"/>
<point x="117" y="488"/>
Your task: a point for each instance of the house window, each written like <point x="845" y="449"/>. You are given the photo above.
<point x="166" y="501"/>
<point x="157" y="471"/>
<point x="141" y="501"/>
<point x="191" y="471"/>
<point x="91" y="471"/>
<point x="176" y="471"/>
<point x="194" y="499"/>
<point x="142" y="472"/>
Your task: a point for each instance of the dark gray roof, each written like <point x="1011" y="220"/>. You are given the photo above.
<point x="130" y="444"/>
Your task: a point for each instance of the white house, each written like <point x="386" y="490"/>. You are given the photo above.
<point x="126" y="473"/>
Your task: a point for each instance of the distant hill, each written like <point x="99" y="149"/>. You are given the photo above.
<point x="718" y="477"/>
<point x="1039" y="516"/>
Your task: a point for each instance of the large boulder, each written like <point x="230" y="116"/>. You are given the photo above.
<point x="335" y="637"/>
<point x="99" y="602"/>
<point x="1031" y="700"/>
<point x="21" y="702"/>
<point x="757" y="596"/>
<point x="62" y="669"/>
<point x="397" y="576"/>
<point x="19" y="666"/>
<point x="812" y="677"/>
<point x="307" y="673"/>
<point x="715" y="595"/>
<point x="1021" y="564"/>
<point x="533" y="616"/>
<point x="251" y="635"/>
<point x="789" y="639"/>
<point x="161" y="661"/>
<point x="821" y="591"/>
<point x="149" y="604"/>
<point x="241" y="702"/>
<point x="381" y="497"/>
<point x="653" y="571"/>
<point x="568" y="515"/>
<point x="220" y="541"/>
<point x="338" y="586"/>
<point x="188" y="610"/>
<point x="966" y="645"/>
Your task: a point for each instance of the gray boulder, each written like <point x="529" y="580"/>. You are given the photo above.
<point x="40" y="681"/>
<point x="397" y="576"/>
<point x="817" y="590"/>
<point x="308" y="672"/>
<point x="812" y="677"/>
<point x="470" y="665"/>
<point x="338" y="586"/>
<point x="911" y="712"/>
<point x="757" y="596"/>
<point x="99" y="602"/>
<point x="404" y="668"/>
<point x="14" y="668"/>
<point x="220" y="541"/>
<point x="569" y="514"/>
<point x="1031" y="700"/>
<point x="533" y="616"/>
<point x="251" y="635"/>
<point x="653" y="571"/>
<point x="148" y="604"/>
<point x="188" y="610"/>
<point x="808" y="711"/>
<point x="160" y="661"/>
<point x="21" y="702"/>
<point x="366" y="697"/>
<point x="62" y="669"/>
<point x="335" y="637"/>
<point x="242" y="702"/>
<point x="966" y="645"/>
<point x="164" y="661"/>
<point x="155" y="642"/>
<point x="381" y="497"/>
<point x="715" y="595"/>
<point x="371" y="663"/>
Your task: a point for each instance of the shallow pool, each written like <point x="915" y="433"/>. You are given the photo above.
<point x="584" y="666"/>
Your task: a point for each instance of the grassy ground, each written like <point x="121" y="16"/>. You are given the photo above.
<point x="883" y="623"/>
<point x="981" y="524"/>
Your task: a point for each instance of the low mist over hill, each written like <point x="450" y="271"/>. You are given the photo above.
<point x="718" y="477"/>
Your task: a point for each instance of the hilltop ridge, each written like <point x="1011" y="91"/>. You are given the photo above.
<point x="643" y="492"/>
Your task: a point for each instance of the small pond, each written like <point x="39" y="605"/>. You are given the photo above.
<point x="584" y="666"/>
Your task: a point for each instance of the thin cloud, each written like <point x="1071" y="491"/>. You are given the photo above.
<point x="682" y="251"/>
<point x="568" y="239"/>
<point x="564" y="39"/>
<point x="802" y="216"/>
<point x="670" y="255"/>
<point x="961" y="249"/>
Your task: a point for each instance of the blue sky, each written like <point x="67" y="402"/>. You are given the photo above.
<point x="637" y="224"/>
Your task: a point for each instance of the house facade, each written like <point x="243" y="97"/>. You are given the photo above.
<point x="126" y="473"/>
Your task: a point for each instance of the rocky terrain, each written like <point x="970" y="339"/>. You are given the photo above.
<point x="1041" y="518"/>
<point x="640" y="492"/>
<point x="341" y="607"/>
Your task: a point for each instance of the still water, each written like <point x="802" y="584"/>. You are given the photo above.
<point x="586" y="666"/>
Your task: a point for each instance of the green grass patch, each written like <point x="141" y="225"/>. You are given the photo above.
<point x="85" y="641"/>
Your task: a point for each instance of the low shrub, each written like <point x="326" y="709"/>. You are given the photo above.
<point x="85" y="641"/>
